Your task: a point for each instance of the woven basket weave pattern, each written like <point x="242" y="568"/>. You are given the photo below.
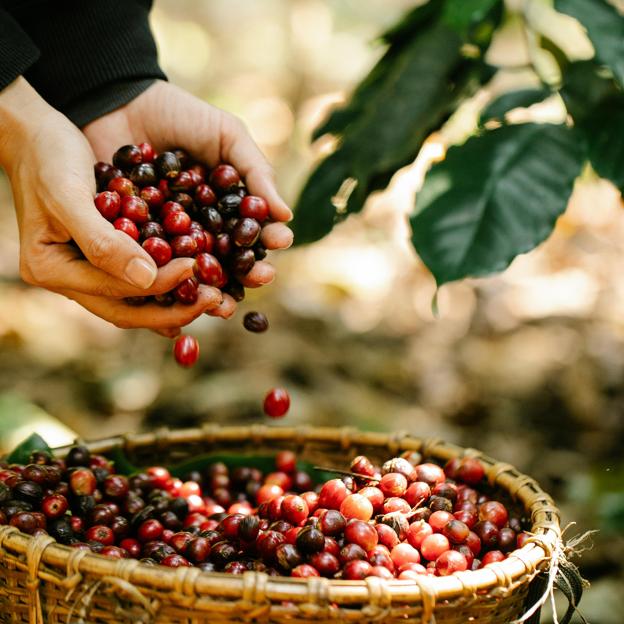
<point x="41" y="581"/>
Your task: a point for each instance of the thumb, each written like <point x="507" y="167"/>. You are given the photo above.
<point x="111" y="250"/>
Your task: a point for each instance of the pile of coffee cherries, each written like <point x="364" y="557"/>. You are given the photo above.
<point x="177" y="208"/>
<point x="399" y="520"/>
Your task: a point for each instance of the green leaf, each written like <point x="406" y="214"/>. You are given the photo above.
<point x="522" y="98"/>
<point x="494" y="197"/>
<point x="462" y="14"/>
<point x="265" y="463"/>
<point x="411" y="22"/>
<point x="397" y="37"/>
<point x="411" y="100"/>
<point x="315" y="214"/>
<point x="21" y="453"/>
<point x="605" y="28"/>
<point x="584" y="88"/>
<point x="603" y="132"/>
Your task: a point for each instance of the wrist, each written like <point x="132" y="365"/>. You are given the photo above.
<point x="22" y="111"/>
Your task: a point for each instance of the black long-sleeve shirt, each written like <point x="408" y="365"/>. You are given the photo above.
<point x="84" y="57"/>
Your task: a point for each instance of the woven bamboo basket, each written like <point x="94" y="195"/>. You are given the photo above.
<point x="44" y="582"/>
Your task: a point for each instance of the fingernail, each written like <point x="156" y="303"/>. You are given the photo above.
<point x="141" y="273"/>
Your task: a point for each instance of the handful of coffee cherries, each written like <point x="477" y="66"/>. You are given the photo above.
<point x="175" y="207"/>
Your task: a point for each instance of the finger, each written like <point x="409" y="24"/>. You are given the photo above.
<point x="171" y="332"/>
<point x="240" y="149"/>
<point x="150" y="315"/>
<point x="261" y="274"/>
<point x="65" y="269"/>
<point x="276" y="236"/>
<point x="226" y="309"/>
<point x="105" y="247"/>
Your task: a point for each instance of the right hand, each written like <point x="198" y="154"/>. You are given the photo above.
<point x="50" y="166"/>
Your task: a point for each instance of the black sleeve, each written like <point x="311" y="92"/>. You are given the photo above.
<point x="17" y="51"/>
<point x="96" y="55"/>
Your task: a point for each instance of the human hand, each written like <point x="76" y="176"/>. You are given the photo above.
<point x="167" y="117"/>
<point x="50" y="167"/>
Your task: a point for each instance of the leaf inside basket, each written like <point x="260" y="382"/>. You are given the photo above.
<point x="265" y="463"/>
<point x="21" y="453"/>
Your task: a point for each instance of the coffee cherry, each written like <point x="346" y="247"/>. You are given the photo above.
<point x="393" y="484"/>
<point x="152" y="229"/>
<point x="167" y="165"/>
<point x="175" y="561"/>
<point x="382" y="572"/>
<point x="224" y="177"/>
<point x="122" y="186"/>
<point x="494" y="512"/>
<point x="153" y="197"/>
<point x="396" y="503"/>
<point x="493" y="556"/>
<point x="357" y="506"/>
<point x="294" y="509"/>
<point x="417" y="532"/>
<point x="228" y="207"/>
<point x="470" y="471"/>
<point x="198" y="549"/>
<point x="304" y="570"/>
<point x="135" y="209"/>
<point x="254" y="208"/>
<point x="159" y="249"/>
<point x="183" y="246"/>
<point x="388" y="537"/>
<point x="456" y="531"/>
<point x="310" y="540"/>
<point x="143" y="175"/>
<point x="356" y="570"/>
<point x="147" y="152"/>
<point x="431" y="474"/>
<point x="241" y="262"/>
<point x="404" y="553"/>
<point x="326" y="563"/>
<point x="449" y="562"/>
<point x="267" y="544"/>
<point x="276" y="403"/>
<point x="186" y="351"/>
<point x="375" y="496"/>
<point x="255" y="322"/>
<point x="187" y="292"/>
<point x="184" y="182"/>
<point x="24" y="521"/>
<point x="234" y="289"/>
<point x="246" y="232"/>
<point x="127" y="157"/>
<point x="127" y="226"/>
<point x="223" y="245"/>
<point x="28" y="491"/>
<point x="177" y="223"/>
<point x="488" y="533"/>
<point x="82" y="482"/>
<point x="108" y="203"/>
<point x="131" y="546"/>
<point x="208" y="270"/>
<point x="417" y="492"/>
<point x="54" y="506"/>
<point x="361" y="533"/>
<point x="100" y="533"/>
<point x="433" y="546"/>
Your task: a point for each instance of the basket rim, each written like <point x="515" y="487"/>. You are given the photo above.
<point x="515" y="570"/>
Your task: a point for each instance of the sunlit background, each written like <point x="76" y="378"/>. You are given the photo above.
<point x="528" y="365"/>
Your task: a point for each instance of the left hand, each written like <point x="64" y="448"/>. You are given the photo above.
<point x="167" y="117"/>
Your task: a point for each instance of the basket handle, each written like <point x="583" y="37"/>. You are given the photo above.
<point x="569" y="581"/>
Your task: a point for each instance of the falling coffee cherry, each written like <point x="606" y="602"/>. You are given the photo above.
<point x="276" y="403"/>
<point x="256" y="322"/>
<point x="186" y="351"/>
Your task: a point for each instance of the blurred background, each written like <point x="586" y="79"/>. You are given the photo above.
<point x="527" y="366"/>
